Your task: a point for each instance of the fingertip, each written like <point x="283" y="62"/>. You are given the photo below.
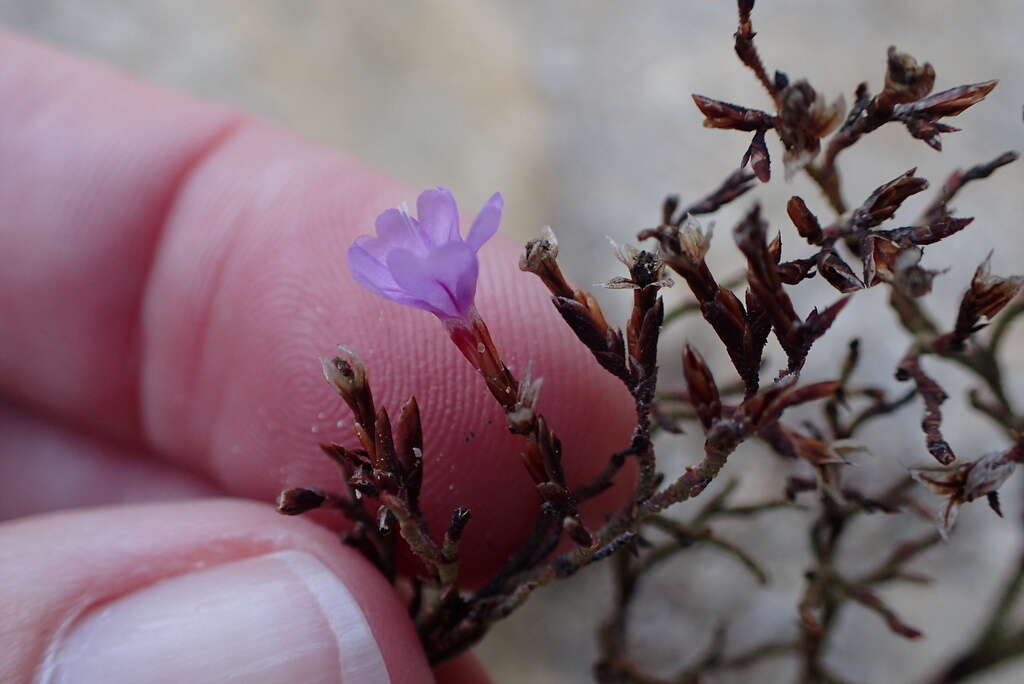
<point x="211" y="591"/>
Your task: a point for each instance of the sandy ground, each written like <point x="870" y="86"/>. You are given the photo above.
<point x="579" y="112"/>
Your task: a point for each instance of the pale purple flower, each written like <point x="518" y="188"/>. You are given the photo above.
<point x="424" y="262"/>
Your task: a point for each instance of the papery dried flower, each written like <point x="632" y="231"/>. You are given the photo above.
<point x="896" y="262"/>
<point x="424" y="262"/>
<point x="538" y="251"/>
<point x="910" y="277"/>
<point x="879" y="256"/>
<point x="824" y="118"/>
<point x="804" y="118"/>
<point x="694" y="241"/>
<point x="645" y="269"/>
<point x="683" y="248"/>
<point x="826" y="458"/>
<point x="743" y="331"/>
<point x="967" y="482"/>
<point x="905" y="80"/>
<point x="541" y="259"/>
<point x="578" y="308"/>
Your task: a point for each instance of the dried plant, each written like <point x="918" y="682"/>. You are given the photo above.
<point x="424" y="262"/>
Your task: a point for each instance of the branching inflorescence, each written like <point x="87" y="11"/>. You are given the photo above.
<point x="424" y="262"/>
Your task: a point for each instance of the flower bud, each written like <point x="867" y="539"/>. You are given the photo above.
<point x="905" y="80"/>
<point x="345" y="372"/>
<point x="541" y="259"/>
<point x="700" y="384"/>
<point x="299" y="500"/>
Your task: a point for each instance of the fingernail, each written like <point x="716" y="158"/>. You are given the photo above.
<point x="283" y="617"/>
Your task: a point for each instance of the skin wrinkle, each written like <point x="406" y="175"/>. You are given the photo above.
<point x="232" y="130"/>
<point x="208" y="148"/>
<point x="94" y="471"/>
<point x="52" y="100"/>
<point x="217" y="140"/>
<point x="46" y="667"/>
<point x="210" y="299"/>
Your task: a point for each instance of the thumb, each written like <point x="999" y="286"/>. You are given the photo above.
<point x="200" y="592"/>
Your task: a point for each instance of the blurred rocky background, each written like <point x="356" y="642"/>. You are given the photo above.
<point x="579" y="111"/>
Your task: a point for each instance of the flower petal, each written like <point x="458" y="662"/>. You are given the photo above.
<point x="486" y="223"/>
<point x="423" y="262"/>
<point x="941" y="481"/>
<point x="369" y="272"/>
<point x="948" y="519"/>
<point x="395" y="228"/>
<point x="368" y="269"/>
<point x="456" y="268"/>
<point x="468" y="270"/>
<point x="433" y="279"/>
<point x="438" y="216"/>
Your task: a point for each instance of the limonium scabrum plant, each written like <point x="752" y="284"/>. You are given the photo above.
<point x="427" y="262"/>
